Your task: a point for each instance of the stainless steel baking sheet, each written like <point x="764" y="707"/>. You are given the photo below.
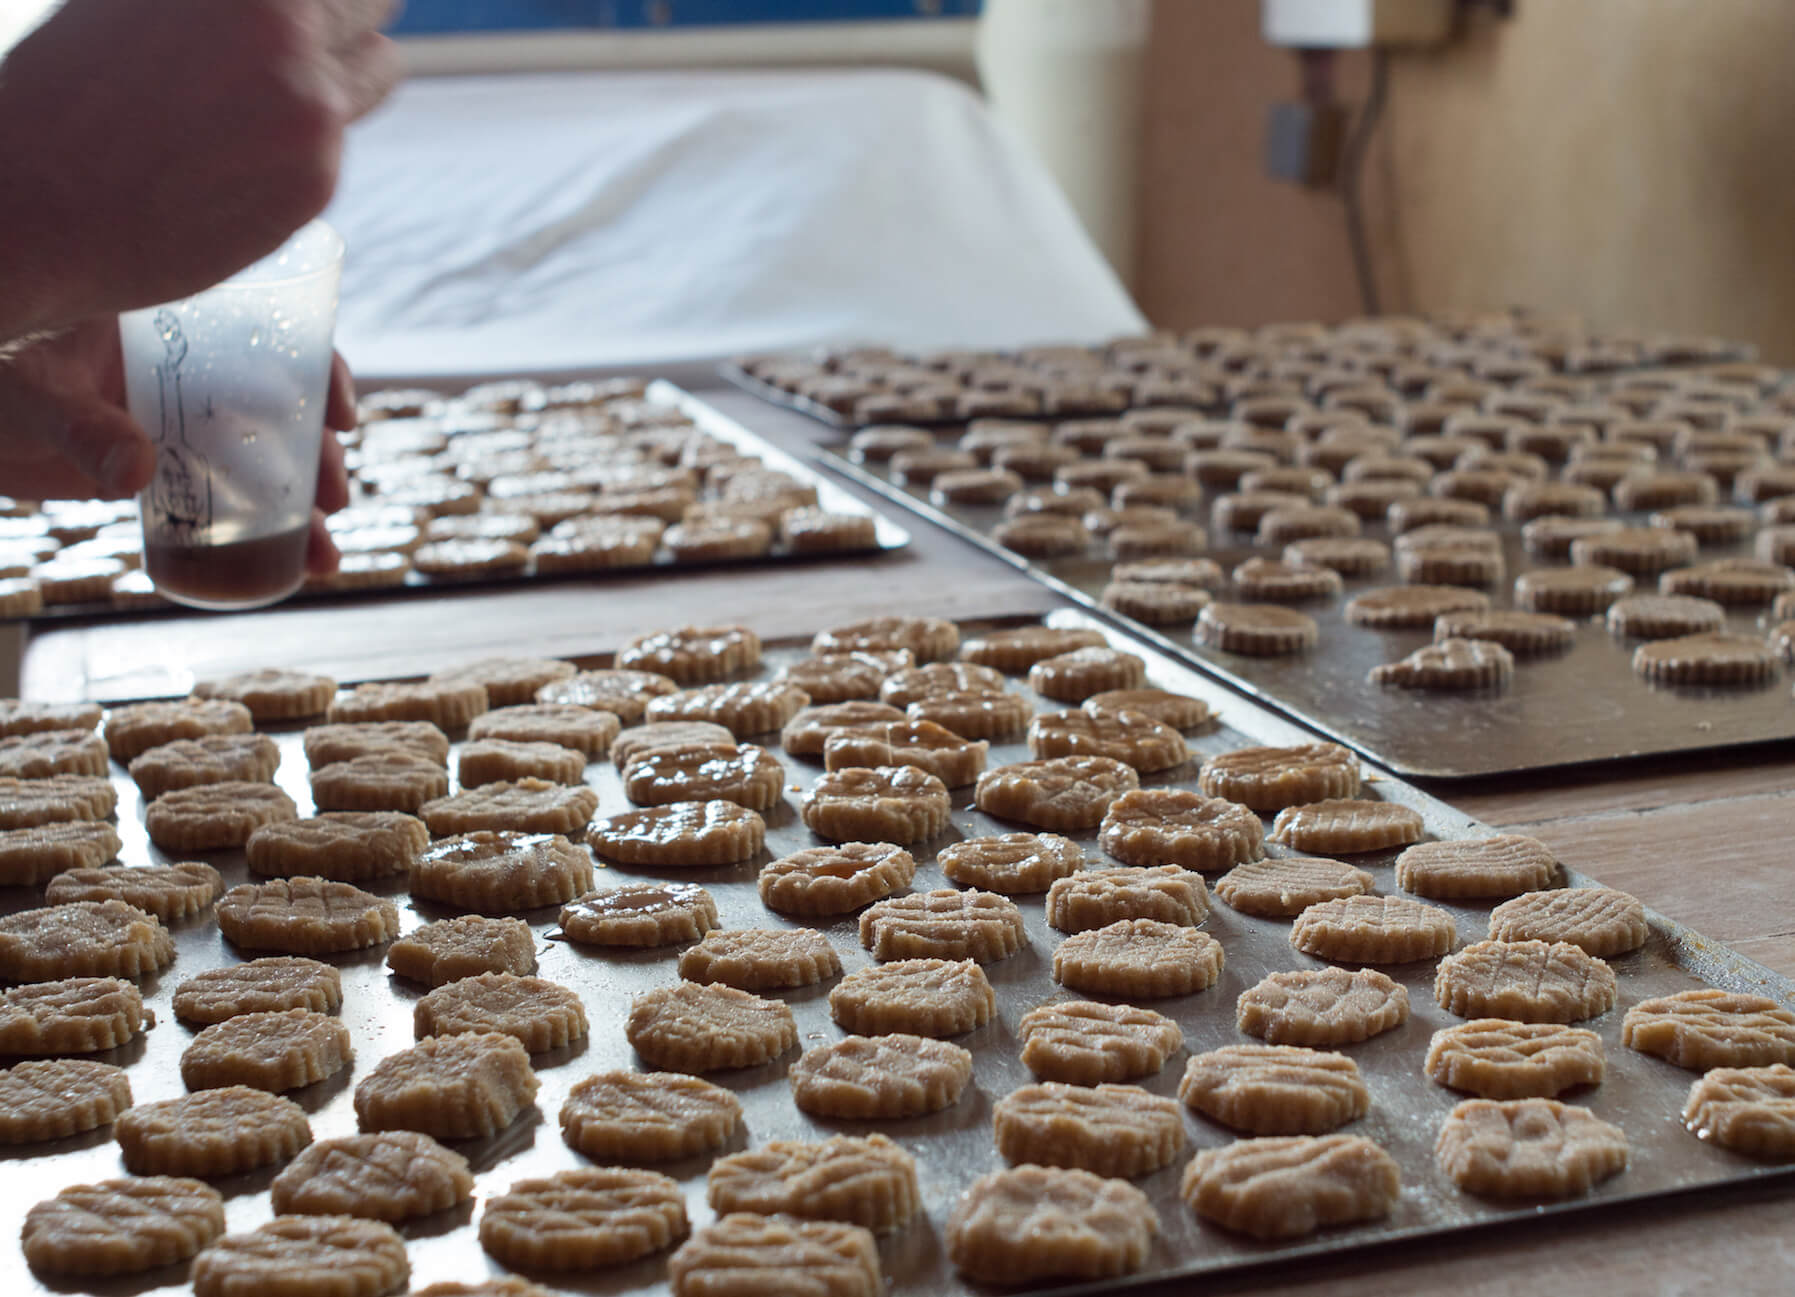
<point x="1561" y="709"/>
<point x="887" y="535"/>
<point x="1641" y="1094"/>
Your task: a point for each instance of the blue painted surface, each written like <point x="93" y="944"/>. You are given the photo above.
<point x="423" y="17"/>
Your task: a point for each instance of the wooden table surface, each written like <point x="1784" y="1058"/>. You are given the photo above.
<point x="1705" y="840"/>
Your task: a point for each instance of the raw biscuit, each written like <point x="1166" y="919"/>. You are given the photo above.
<point x="1499" y="1058"/>
<point x="582" y="729"/>
<point x="327" y="743"/>
<point x="519" y="805"/>
<point x="1275" y="1089"/>
<point x="538" y="1013"/>
<point x="1010" y="863"/>
<point x="1138" y="959"/>
<point x="1373" y="930"/>
<point x="845" y="677"/>
<point x="1708" y="1028"/>
<point x="134" y="729"/>
<point x="1601" y="920"/>
<point x="1448" y="664"/>
<point x="863" y="1180"/>
<point x="36" y="855"/>
<point x="168" y="892"/>
<point x="492" y="760"/>
<point x="501" y="871"/>
<point x="976" y="714"/>
<point x="1524" y="634"/>
<point x="1533" y="981"/>
<point x="215" y="817"/>
<point x="1015" y="651"/>
<point x="302" y="1256"/>
<point x="1075" y="676"/>
<point x="273" y="1051"/>
<point x="1109" y="1130"/>
<point x="1133" y="738"/>
<point x="378" y="781"/>
<point x="680" y="834"/>
<point x="1180" y="711"/>
<point x="347" y="846"/>
<point x="305" y="916"/>
<point x="29" y="803"/>
<point x="1160" y="826"/>
<point x="73" y="1015"/>
<point x="1083" y="1042"/>
<point x="744" y="709"/>
<point x="583" y="1219"/>
<point x="448" y="706"/>
<point x="755" y="959"/>
<point x="1346" y="826"/>
<point x="930" y="639"/>
<point x="943" y="924"/>
<point x="54" y="1098"/>
<point x="922" y="997"/>
<point x="271" y="984"/>
<point x="929" y="747"/>
<point x="1750" y="1110"/>
<point x="647" y="1116"/>
<point x="640" y="914"/>
<point x="212" y="1133"/>
<point x="900" y="804"/>
<point x="1284" y="886"/>
<point x="120" y="1227"/>
<point x="807" y="733"/>
<point x="210" y="759"/>
<point x="749" y="776"/>
<point x="623" y="693"/>
<point x="743" y="1254"/>
<point x="1034" y="1222"/>
<point x="1528" y="1148"/>
<point x="1256" y="629"/>
<point x="1716" y="658"/>
<point x="83" y="939"/>
<point x="863" y="1078"/>
<point x="1271" y="778"/>
<point x="1064" y="794"/>
<point x="693" y="1028"/>
<point x="391" y="1175"/>
<point x="507" y="680"/>
<point x="1097" y="898"/>
<point x="1322" y="1006"/>
<point x="272" y="694"/>
<point x="456" y="1087"/>
<point x="451" y="949"/>
<point x="1288" y="1187"/>
<point x="52" y="752"/>
<point x="1505" y="865"/>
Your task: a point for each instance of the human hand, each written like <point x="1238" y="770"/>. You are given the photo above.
<point x="203" y="133"/>
<point x="65" y="432"/>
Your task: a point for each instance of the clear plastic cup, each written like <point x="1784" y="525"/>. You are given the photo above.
<point x="231" y="386"/>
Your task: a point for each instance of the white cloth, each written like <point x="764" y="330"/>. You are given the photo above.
<point x="538" y="222"/>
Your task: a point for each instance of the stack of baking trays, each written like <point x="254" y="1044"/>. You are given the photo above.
<point x="1462" y="548"/>
<point x="917" y="958"/>
<point x="510" y="481"/>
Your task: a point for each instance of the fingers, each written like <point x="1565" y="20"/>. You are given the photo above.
<point x="333" y="478"/>
<point x="369" y="70"/>
<point x="321" y="556"/>
<point x="339" y="404"/>
<point x="60" y="445"/>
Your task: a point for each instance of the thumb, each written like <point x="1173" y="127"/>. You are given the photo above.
<point x="108" y="445"/>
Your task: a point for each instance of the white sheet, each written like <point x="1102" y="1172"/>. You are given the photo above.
<point x="550" y="222"/>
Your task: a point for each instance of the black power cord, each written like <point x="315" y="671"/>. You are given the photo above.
<point x="1352" y="170"/>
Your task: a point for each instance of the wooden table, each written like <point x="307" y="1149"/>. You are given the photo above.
<point x="1704" y="840"/>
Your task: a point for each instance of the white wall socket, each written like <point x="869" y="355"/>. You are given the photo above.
<point x="1355" y="24"/>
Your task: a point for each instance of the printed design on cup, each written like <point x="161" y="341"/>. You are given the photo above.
<point x="181" y="494"/>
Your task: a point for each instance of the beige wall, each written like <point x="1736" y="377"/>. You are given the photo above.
<point x="1632" y="160"/>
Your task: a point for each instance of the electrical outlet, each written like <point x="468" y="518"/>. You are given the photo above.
<point x="1355" y="24"/>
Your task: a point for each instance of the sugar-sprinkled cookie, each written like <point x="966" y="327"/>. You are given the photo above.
<point x="1322" y="1006"/>
<point x="880" y="1077"/>
<point x="540" y="1014"/>
<point x="36" y="855"/>
<point x="1084" y="1042"/>
<point x="1499" y="1058"/>
<point x="1750" y="1110"/>
<point x="1707" y="1028"/>
<point x="1346" y="825"/>
<point x="1287" y="1187"/>
<point x="693" y="1028"/>
<point x="1599" y="919"/>
<point x="168" y="892"/>
<point x="271" y="984"/>
<point x="211" y="1133"/>
<point x="1534" y="981"/>
<point x="53" y="1098"/>
<point x="305" y="916"/>
<point x="1505" y="865"/>
<point x="1528" y="1148"/>
<point x="390" y="1175"/>
<point x="83" y="939"/>
<point x="453" y="1087"/>
<point x="1035" y="1222"/>
<point x="1109" y="1130"/>
<point x="647" y="1116"/>
<point x="209" y="759"/>
<point x="73" y="1015"/>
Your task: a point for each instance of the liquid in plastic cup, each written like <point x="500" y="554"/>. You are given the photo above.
<point x="231" y="385"/>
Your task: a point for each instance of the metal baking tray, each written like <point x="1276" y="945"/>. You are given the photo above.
<point x="888" y="535"/>
<point x="1643" y="1095"/>
<point x="1564" y="709"/>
